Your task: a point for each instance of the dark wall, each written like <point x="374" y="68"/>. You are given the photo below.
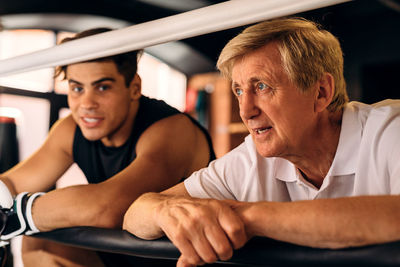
<point x="369" y="32"/>
<point x="373" y="59"/>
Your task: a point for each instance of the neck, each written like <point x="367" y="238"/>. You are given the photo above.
<point x="319" y="150"/>
<point x="122" y="133"/>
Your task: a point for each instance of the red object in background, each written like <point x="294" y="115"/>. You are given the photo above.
<point x="7" y="119"/>
<point x="9" y="152"/>
<point x="191" y="100"/>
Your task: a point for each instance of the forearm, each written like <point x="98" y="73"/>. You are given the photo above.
<point x="82" y="205"/>
<point x="332" y="223"/>
<point x="203" y="230"/>
<point x="139" y="219"/>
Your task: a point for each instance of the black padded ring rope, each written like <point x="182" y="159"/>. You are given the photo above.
<point x="257" y="252"/>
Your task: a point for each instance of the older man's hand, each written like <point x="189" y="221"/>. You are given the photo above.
<point x="203" y="230"/>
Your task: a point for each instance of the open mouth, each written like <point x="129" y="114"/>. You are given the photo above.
<point x="90" y="120"/>
<point x="262" y="130"/>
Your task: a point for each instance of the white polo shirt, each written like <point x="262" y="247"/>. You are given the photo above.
<point x="367" y="162"/>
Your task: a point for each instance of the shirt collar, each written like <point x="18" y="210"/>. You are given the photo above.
<point x="285" y="170"/>
<point x="346" y="156"/>
<point x="344" y="162"/>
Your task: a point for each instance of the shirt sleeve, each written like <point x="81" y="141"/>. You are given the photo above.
<point x="208" y="183"/>
<point x="394" y="166"/>
<point x="385" y="145"/>
<point x="391" y="138"/>
<point x="223" y="178"/>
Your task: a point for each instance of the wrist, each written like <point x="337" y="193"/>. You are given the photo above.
<point x="18" y="219"/>
<point x="255" y="216"/>
<point x="28" y="214"/>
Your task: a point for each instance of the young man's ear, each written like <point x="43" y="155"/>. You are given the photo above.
<point x="136" y="87"/>
<point x="325" y="93"/>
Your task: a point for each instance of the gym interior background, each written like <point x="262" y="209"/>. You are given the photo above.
<point x="182" y="73"/>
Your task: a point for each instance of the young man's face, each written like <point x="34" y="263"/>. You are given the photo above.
<point x="101" y="103"/>
<point x="278" y="116"/>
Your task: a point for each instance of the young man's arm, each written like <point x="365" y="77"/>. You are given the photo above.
<point x="36" y="174"/>
<point x="198" y="226"/>
<point x="166" y="152"/>
<point x="42" y="169"/>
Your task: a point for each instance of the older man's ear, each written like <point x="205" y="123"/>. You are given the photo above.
<point x="325" y="92"/>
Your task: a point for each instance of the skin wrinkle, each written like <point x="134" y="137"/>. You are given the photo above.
<point x="292" y="135"/>
<point x="266" y="74"/>
<point x="325" y="158"/>
<point x="299" y="122"/>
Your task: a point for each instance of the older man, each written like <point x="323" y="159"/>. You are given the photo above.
<point x="315" y="170"/>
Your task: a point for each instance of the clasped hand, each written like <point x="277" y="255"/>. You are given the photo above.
<point x="204" y="230"/>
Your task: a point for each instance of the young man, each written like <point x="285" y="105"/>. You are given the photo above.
<point x="316" y="170"/>
<point x="125" y="143"/>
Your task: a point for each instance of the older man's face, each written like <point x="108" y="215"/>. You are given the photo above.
<point x="279" y="117"/>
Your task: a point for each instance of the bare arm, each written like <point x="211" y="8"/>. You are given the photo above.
<point x="42" y="169"/>
<point x="166" y="152"/>
<point x="204" y="230"/>
<point x="139" y="218"/>
<point x="164" y="156"/>
<point x="326" y="223"/>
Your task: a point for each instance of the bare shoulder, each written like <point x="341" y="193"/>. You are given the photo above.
<point x="176" y="125"/>
<point x="179" y="138"/>
<point x="174" y="130"/>
<point x="178" y="120"/>
<point x="62" y="134"/>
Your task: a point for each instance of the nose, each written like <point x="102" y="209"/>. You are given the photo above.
<point x="88" y="100"/>
<point x="248" y="106"/>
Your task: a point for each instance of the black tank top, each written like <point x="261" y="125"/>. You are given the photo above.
<point x="99" y="162"/>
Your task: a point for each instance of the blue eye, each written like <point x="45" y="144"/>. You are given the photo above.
<point x="262" y="86"/>
<point x="238" y="91"/>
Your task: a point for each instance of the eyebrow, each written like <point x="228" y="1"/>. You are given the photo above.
<point x="234" y="85"/>
<point x="250" y="81"/>
<point x="95" y="82"/>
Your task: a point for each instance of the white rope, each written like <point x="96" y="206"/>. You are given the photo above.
<point x="213" y="18"/>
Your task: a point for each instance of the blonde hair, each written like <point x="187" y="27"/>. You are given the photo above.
<point x="306" y="52"/>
